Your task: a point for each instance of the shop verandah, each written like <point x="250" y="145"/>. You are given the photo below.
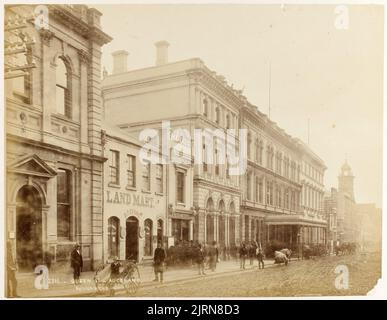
<point x="295" y="234"/>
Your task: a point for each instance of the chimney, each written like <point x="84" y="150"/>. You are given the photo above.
<point x="120" y="61"/>
<point x="161" y="52"/>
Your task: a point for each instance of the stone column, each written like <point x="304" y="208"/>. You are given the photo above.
<point x="48" y="83"/>
<point x="45" y="210"/>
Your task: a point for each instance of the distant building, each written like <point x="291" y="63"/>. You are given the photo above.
<point x="346" y="219"/>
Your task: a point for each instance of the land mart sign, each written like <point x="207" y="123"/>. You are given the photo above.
<point x="131" y="199"/>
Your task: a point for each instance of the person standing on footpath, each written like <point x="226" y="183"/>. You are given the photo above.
<point x="76" y="263"/>
<point x="158" y="263"/>
<point x="11" y="272"/>
<point x="260" y="257"/>
<point x="252" y="252"/>
<point x="200" y="259"/>
<point x="243" y="255"/>
<point x="213" y="256"/>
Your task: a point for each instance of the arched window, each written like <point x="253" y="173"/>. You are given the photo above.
<point x="113" y="236"/>
<point x="148" y="226"/>
<point x="63" y="105"/>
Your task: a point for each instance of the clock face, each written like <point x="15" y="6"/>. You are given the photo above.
<point x="346" y="173"/>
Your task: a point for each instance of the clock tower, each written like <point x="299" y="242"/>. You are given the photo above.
<point x="346" y="180"/>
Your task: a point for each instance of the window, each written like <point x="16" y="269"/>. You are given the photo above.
<point x="228" y="123"/>
<point x="279" y="196"/>
<point x="62" y="89"/>
<point x="21" y="85"/>
<point x="216" y="162"/>
<point x="131" y="171"/>
<point x="205" y="108"/>
<point x="217" y="115"/>
<point x="260" y="152"/>
<point x="113" y="236"/>
<point x="205" y="168"/>
<point x="287" y="199"/>
<point x="248" y="186"/>
<point x="180" y="186"/>
<point x="63" y="204"/>
<point x="159" y="178"/>
<point x="279" y="163"/>
<point x="148" y="229"/>
<point x="256" y="198"/>
<point x="146" y="176"/>
<point x="114" y="167"/>
<point x="269" y="192"/>
<point x="260" y="191"/>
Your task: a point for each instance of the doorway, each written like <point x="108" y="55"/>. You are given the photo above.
<point x="131" y="252"/>
<point x="29" y="249"/>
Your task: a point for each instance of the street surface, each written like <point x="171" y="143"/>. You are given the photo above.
<point x="299" y="278"/>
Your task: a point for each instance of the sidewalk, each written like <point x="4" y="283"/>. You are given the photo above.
<point x="60" y="283"/>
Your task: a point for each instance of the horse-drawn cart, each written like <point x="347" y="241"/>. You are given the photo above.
<point x="127" y="278"/>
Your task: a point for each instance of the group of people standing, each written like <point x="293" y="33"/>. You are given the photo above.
<point x="209" y="255"/>
<point x="202" y="255"/>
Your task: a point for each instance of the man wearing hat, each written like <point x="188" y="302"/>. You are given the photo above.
<point x="76" y="262"/>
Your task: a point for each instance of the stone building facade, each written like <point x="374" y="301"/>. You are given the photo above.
<point x="135" y="203"/>
<point x="273" y="207"/>
<point x="262" y="205"/>
<point x="53" y="139"/>
<point x="189" y="96"/>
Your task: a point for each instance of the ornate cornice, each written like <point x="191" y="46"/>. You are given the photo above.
<point x="72" y="20"/>
<point x="217" y="84"/>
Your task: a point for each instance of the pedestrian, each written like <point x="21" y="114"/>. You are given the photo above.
<point x="76" y="262"/>
<point x="260" y="257"/>
<point x="158" y="263"/>
<point x="213" y="256"/>
<point x="11" y="272"/>
<point x="243" y="255"/>
<point x="252" y="252"/>
<point x="200" y="259"/>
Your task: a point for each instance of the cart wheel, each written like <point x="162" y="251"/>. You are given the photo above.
<point x="101" y="287"/>
<point x="131" y="287"/>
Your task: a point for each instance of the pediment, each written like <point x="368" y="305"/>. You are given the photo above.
<point x="31" y="165"/>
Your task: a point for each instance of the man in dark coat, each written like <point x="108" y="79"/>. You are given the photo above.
<point x="260" y="257"/>
<point x="243" y="252"/>
<point x="158" y="263"/>
<point x="213" y="256"/>
<point x="200" y="259"/>
<point x="76" y="262"/>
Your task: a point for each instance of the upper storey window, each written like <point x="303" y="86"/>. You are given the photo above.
<point x="217" y="115"/>
<point x="63" y="105"/>
<point x="205" y="108"/>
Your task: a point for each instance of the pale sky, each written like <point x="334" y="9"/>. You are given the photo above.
<point x="332" y="76"/>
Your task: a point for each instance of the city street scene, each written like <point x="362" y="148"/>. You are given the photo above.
<point x="193" y="150"/>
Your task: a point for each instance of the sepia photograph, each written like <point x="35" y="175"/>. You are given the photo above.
<point x="182" y="150"/>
